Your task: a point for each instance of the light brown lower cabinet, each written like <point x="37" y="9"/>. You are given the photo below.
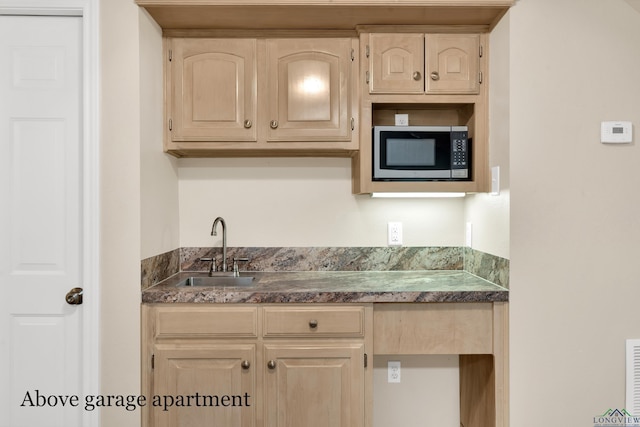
<point x="246" y="366"/>
<point x="314" y="385"/>
<point x="224" y="372"/>
<point x="311" y="365"/>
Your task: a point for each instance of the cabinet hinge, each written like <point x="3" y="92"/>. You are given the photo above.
<point x="366" y="50"/>
<point x="365" y="360"/>
<point x="366" y="76"/>
<point x="170" y="55"/>
<point x="353" y="55"/>
<point x="480" y="77"/>
<point x="170" y="124"/>
<point x="153" y="361"/>
<point x="353" y="123"/>
<point x="480" y="53"/>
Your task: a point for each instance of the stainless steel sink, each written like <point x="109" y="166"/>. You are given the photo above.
<point x="217" y="281"/>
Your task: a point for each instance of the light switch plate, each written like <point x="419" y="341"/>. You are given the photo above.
<point x="495" y="181"/>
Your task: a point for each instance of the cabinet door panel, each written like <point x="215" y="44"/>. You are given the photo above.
<point x="455" y="59"/>
<point x="225" y="389"/>
<point x="308" y="89"/>
<point x="314" y="386"/>
<point x="397" y="63"/>
<point x="213" y="90"/>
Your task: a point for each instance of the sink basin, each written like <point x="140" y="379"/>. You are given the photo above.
<point x="217" y="281"/>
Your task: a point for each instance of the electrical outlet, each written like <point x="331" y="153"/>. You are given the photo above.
<point x="394" y="234"/>
<point x="402" y="120"/>
<point x="393" y="371"/>
<point x="468" y="234"/>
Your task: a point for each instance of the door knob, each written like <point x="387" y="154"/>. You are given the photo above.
<point x="416" y="75"/>
<point x="435" y="76"/>
<point x="245" y="364"/>
<point x="74" y="296"/>
<point x="271" y="364"/>
<point x="273" y="124"/>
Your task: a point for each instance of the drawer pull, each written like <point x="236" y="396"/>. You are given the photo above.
<point x="313" y="323"/>
<point x="245" y="364"/>
<point x="271" y="364"/>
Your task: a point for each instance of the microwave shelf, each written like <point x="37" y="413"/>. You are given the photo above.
<point x="470" y="113"/>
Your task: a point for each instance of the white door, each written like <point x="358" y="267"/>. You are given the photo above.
<point x="40" y="220"/>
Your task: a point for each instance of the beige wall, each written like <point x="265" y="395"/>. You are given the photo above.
<point x="428" y="393"/>
<point x="159" y="223"/>
<point x="575" y="211"/>
<point x="302" y="202"/>
<point x="120" y="206"/>
<point x="489" y="214"/>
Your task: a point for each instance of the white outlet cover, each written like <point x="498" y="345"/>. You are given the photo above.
<point x="394" y="234"/>
<point x="402" y="120"/>
<point x="393" y="371"/>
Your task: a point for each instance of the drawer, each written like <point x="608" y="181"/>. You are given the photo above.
<point x="313" y="321"/>
<point x="206" y="322"/>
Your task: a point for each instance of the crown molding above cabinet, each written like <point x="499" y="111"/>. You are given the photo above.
<point x="321" y="14"/>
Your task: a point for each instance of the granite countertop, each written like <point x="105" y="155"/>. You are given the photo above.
<point x="335" y="287"/>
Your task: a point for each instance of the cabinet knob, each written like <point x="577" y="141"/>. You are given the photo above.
<point x="273" y="124"/>
<point x="247" y="124"/>
<point x="271" y="364"/>
<point x="435" y="76"/>
<point x="245" y="364"/>
<point x="416" y="75"/>
<point x="313" y="323"/>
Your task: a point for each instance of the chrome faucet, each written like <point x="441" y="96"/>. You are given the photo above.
<point x="224" y="240"/>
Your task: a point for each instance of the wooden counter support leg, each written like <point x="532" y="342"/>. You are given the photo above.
<point x="501" y="361"/>
<point x="484" y="379"/>
<point x="477" y="390"/>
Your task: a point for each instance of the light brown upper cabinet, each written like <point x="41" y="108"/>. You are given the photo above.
<point x="424" y="63"/>
<point x="285" y="96"/>
<point x="212" y="89"/>
<point x="308" y="89"/>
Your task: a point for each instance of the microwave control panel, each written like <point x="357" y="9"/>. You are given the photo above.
<point x="459" y="153"/>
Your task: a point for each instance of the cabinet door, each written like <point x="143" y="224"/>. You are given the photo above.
<point x="396" y="63"/>
<point x="213" y="90"/>
<point x="314" y="385"/>
<point x="223" y="376"/>
<point x="453" y="63"/>
<point x="308" y="92"/>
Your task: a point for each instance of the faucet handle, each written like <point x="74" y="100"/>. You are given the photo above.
<point x="213" y="267"/>
<point x="236" y="272"/>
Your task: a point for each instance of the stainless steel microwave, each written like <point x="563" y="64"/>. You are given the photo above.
<point x="421" y="153"/>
